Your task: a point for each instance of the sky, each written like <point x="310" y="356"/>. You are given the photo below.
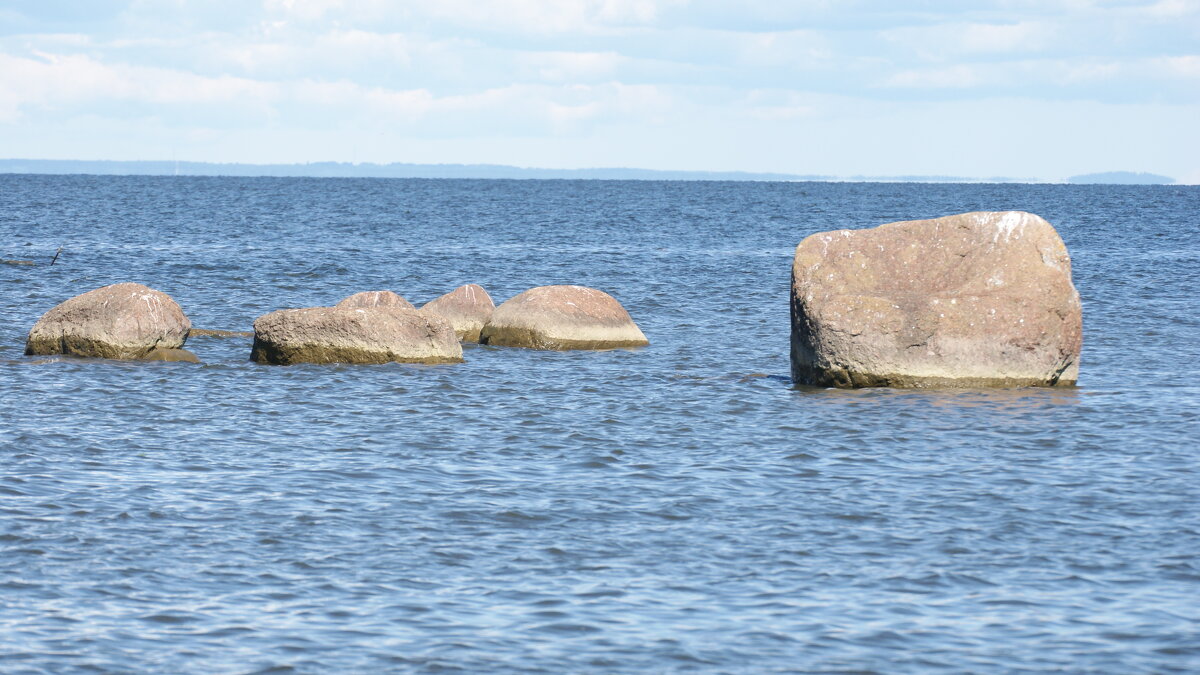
<point x="1016" y="88"/>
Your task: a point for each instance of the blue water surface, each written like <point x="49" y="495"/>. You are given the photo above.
<point x="676" y="508"/>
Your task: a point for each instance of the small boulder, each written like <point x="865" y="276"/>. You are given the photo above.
<point x="562" y="317"/>
<point x="467" y="308"/>
<point x="375" y="299"/>
<point x="353" y="335"/>
<point x="972" y="300"/>
<point x="122" y="321"/>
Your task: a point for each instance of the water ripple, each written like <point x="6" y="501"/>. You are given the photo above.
<point x="681" y="507"/>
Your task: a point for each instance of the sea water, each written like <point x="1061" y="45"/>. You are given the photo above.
<point x="676" y="508"/>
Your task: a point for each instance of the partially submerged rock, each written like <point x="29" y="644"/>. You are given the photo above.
<point x="216" y="333"/>
<point x="121" y="321"/>
<point x="562" y="317"/>
<point x="353" y="335"/>
<point x="973" y="300"/>
<point x="375" y="299"/>
<point x="179" y="355"/>
<point x="467" y="308"/>
<point x="27" y="263"/>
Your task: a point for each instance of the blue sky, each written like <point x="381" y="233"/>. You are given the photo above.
<point x="1021" y="88"/>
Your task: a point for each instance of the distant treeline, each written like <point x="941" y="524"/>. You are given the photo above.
<point x="399" y="170"/>
<point x="1122" y="178"/>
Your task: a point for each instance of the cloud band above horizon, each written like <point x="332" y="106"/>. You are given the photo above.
<point x="1015" y="88"/>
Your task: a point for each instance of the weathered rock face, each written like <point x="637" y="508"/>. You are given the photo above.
<point x="973" y="300"/>
<point x="122" y="321"/>
<point x="562" y="317"/>
<point x="375" y="299"/>
<point x="353" y="335"/>
<point x="467" y="308"/>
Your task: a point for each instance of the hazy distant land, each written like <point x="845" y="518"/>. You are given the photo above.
<point x="1122" y="178"/>
<point x="401" y="170"/>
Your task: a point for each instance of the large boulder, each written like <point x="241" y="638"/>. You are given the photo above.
<point x="562" y="317"/>
<point x="375" y="299"/>
<point x="353" y="335"/>
<point x="973" y="300"/>
<point x="467" y="308"/>
<point x="122" y="321"/>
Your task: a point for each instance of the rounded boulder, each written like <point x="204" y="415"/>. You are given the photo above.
<point x="375" y="299"/>
<point x="353" y="335"/>
<point x="562" y="317"/>
<point x="468" y="308"/>
<point x="121" y="321"/>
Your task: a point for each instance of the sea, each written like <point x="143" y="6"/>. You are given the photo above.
<point x="683" y="507"/>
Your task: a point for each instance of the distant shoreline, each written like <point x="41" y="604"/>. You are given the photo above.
<point x="498" y="171"/>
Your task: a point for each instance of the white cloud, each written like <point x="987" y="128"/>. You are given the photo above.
<point x="523" y="72"/>
<point x="53" y="81"/>
<point x="948" y="42"/>
<point x="1179" y="66"/>
<point x="1000" y="38"/>
<point x="1173" y="8"/>
<point x="797" y="48"/>
<point x="523" y="16"/>
<point x="335" y="49"/>
<point x="558" y="66"/>
<point x="952" y="77"/>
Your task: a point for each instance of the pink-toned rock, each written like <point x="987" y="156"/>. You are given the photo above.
<point x="467" y="308"/>
<point x="375" y="299"/>
<point x="121" y="321"/>
<point x="354" y="335"/>
<point x="562" y="317"/>
<point x="973" y="300"/>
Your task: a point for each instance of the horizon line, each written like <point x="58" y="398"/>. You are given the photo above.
<point x="340" y="169"/>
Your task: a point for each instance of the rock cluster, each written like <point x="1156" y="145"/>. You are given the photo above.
<point x="972" y="300"/>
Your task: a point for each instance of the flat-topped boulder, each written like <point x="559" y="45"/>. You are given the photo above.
<point x="354" y="335"/>
<point x="973" y="300"/>
<point x="562" y="317"/>
<point x="467" y="308"/>
<point x="121" y="321"/>
<point x="375" y="299"/>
